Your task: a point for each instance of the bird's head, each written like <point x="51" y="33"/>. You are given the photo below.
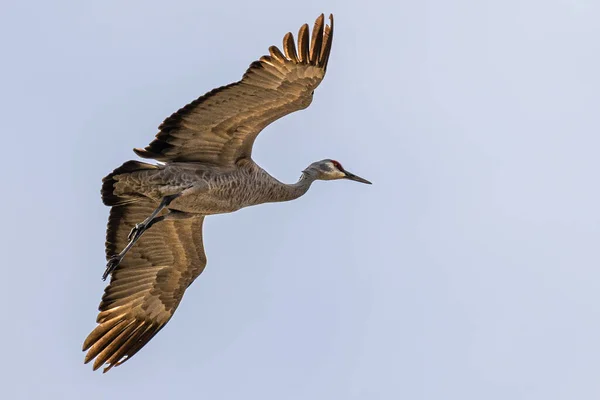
<point x="327" y="170"/>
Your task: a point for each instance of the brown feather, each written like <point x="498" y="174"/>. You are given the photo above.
<point x="317" y="40"/>
<point x="277" y="54"/>
<point x="100" y="331"/>
<point x="289" y="47"/>
<point x="113" y="345"/>
<point x="125" y="346"/>
<point x="101" y="343"/>
<point x="327" y="40"/>
<point x="303" y="44"/>
<point x="144" y="338"/>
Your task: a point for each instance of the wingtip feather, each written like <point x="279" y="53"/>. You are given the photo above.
<point x="277" y="54"/>
<point x="317" y="40"/>
<point x="327" y="43"/>
<point x="289" y="47"/>
<point x="303" y="44"/>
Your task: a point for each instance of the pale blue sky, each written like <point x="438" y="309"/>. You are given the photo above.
<point x="469" y="270"/>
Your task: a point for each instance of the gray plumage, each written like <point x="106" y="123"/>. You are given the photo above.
<point x="154" y="235"/>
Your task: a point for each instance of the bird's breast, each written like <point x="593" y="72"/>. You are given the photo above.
<point x="221" y="197"/>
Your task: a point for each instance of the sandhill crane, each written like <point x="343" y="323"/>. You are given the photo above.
<point x="154" y="235"/>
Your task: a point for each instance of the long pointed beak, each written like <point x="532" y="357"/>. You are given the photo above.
<point x="356" y="178"/>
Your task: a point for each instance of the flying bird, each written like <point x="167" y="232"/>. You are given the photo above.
<point x="154" y="244"/>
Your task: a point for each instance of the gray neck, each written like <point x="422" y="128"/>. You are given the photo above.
<point x="297" y="189"/>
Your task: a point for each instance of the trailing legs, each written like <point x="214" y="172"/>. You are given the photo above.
<point x="138" y="230"/>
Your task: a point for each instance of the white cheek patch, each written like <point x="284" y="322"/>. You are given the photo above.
<point x="339" y="174"/>
<point x="334" y="173"/>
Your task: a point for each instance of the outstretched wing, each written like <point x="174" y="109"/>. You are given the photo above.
<point x="220" y="127"/>
<point x="146" y="288"/>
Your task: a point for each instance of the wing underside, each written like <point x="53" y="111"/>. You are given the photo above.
<point x="146" y="288"/>
<point x="220" y="127"/>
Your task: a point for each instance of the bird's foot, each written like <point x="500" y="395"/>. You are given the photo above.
<point x="137" y="230"/>
<point x="112" y="263"/>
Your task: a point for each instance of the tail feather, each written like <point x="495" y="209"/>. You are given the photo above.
<point x="109" y="197"/>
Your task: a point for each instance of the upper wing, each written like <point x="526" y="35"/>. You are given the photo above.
<point x="146" y="288"/>
<point x="220" y="127"/>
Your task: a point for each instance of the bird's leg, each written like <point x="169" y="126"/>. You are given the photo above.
<point x="139" y="229"/>
<point x="115" y="260"/>
<point x="137" y="232"/>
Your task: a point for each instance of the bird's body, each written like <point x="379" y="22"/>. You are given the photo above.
<point x="208" y="189"/>
<point x="154" y="236"/>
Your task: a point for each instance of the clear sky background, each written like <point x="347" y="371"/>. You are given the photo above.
<point x="470" y="269"/>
